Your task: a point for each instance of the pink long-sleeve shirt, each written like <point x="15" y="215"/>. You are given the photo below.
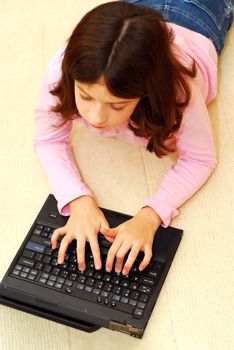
<point x="194" y="140"/>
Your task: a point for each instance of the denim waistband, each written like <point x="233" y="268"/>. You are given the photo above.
<point x="211" y="18"/>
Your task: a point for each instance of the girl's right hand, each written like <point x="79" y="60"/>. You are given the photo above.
<point x="84" y="224"/>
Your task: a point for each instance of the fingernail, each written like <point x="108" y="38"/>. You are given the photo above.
<point x="124" y="272"/>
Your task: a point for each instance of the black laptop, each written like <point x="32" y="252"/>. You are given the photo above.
<point x="37" y="284"/>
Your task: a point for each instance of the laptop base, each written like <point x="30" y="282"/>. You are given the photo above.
<point x="52" y="316"/>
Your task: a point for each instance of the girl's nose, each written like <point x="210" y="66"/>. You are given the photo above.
<point x="98" y="117"/>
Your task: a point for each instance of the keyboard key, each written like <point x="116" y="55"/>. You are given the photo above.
<point x="47" y="268"/>
<point x="144" y="298"/>
<point x="115" y="280"/>
<point x="124" y="283"/>
<point x="141" y="305"/>
<point x="132" y="302"/>
<point x="108" y="287"/>
<point x="15" y="272"/>
<point x="44" y="275"/>
<point x="145" y="289"/>
<point x="26" y="269"/>
<point x="56" y="271"/>
<point x="64" y="273"/>
<point x="46" y="259"/>
<point x="68" y="283"/>
<point x="88" y="289"/>
<point x="116" y="297"/>
<point x="107" y="277"/>
<point x="147" y="280"/>
<point x="99" y="284"/>
<point x="124" y="300"/>
<point x="41" y="240"/>
<point x="18" y="267"/>
<point x="23" y="274"/>
<point x="80" y="286"/>
<point x="60" y="280"/>
<point x="26" y="262"/>
<point x="96" y="291"/>
<point x="98" y="275"/>
<point x="38" y="257"/>
<point x="135" y="295"/>
<point x="39" y="266"/>
<point x="37" y="232"/>
<point x="34" y="272"/>
<point x="125" y="292"/>
<point x="42" y="280"/>
<point x="133" y="286"/>
<point x="52" y="277"/>
<point x="50" y="283"/>
<point x="90" y="281"/>
<point x="104" y="293"/>
<point x="117" y="290"/>
<point x="31" y="277"/>
<point x="28" y="254"/>
<point x="89" y="273"/>
<point x="153" y="273"/>
<point x="138" y="313"/>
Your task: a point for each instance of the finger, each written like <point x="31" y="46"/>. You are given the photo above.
<point x="147" y="257"/>
<point x="96" y="253"/>
<point x="123" y="250"/>
<point x="105" y="224"/>
<point x="63" y="248"/>
<point x="112" y="253"/>
<point x="130" y="260"/>
<point x="80" y="248"/>
<point x="110" y="239"/>
<point x="55" y="236"/>
<point x="109" y="232"/>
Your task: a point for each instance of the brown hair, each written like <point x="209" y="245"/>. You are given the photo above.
<point x="130" y="46"/>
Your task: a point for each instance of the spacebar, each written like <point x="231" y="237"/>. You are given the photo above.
<point x="93" y="298"/>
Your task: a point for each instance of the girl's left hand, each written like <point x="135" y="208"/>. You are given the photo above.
<point x="133" y="236"/>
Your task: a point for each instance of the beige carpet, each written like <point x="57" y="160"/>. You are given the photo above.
<point x="195" y="307"/>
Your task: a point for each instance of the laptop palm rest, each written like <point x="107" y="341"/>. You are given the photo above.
<point x="49" y="315"/>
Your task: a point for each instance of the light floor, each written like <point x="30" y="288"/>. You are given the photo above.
<point x="195" y="307"/>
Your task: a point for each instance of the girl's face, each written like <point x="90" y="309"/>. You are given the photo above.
<point x="99" y="107"/>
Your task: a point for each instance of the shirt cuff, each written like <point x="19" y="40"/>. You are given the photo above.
<point x="164" y="210"/>
<point x="63" y="203"/>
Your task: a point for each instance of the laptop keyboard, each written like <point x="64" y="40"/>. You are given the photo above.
<point x="129" y="293"/>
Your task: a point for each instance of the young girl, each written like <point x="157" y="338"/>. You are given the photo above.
<point x="144" y="74"/>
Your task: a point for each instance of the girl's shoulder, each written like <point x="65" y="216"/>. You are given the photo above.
<point x="191" y="46"/>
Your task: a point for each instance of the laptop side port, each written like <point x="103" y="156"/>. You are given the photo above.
<point x="126" y="328"/>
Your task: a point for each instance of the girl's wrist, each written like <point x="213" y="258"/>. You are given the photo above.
<point x="150" y="216"/>
<point x="80" y="201"/>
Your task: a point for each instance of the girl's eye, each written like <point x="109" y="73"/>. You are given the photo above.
<point x="117" y="108"/>
<point x="86" y="98"/>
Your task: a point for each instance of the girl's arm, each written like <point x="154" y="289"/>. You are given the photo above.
<point x="51" y="144"/>
<point x="197" y="159"/>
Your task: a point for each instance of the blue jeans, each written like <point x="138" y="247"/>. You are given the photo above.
<point x="212" y="18"/>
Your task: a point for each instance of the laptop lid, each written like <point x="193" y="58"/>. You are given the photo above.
<point x="71" y="306"/>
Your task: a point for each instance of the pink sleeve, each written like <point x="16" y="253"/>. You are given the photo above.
<point x="51" y="145"/>
<point x="196" y="161"/>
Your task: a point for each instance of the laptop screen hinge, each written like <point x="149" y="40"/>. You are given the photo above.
<point x="126" y="328"/>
